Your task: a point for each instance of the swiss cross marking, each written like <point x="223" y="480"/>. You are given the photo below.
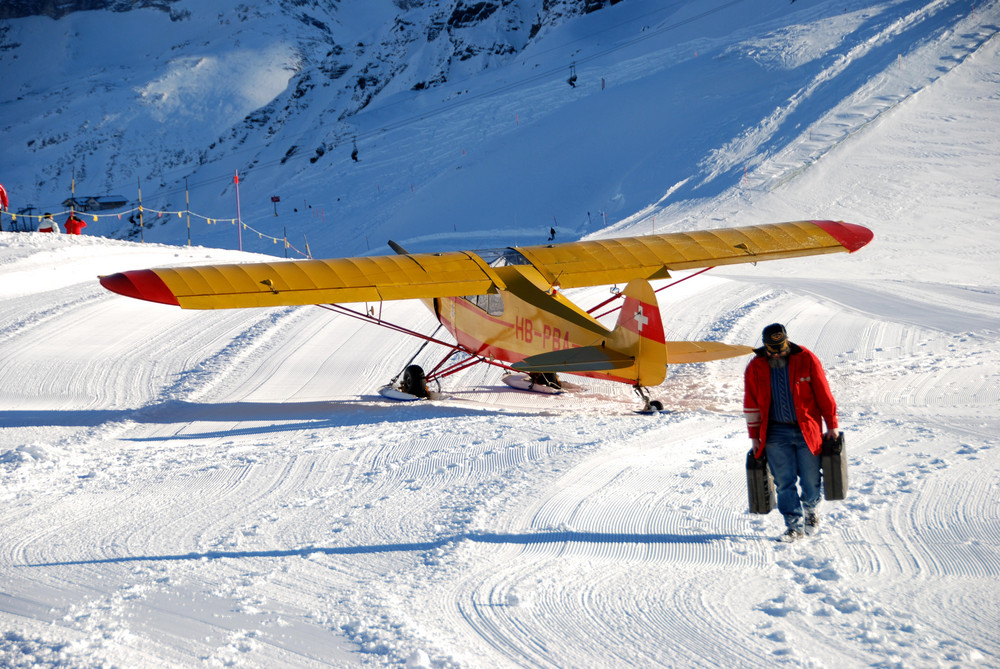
<point x="640" y="318"/>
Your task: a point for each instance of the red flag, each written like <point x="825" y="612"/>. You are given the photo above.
<point x="236" y="179"/>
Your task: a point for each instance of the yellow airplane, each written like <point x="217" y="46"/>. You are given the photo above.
<point x="505" y="307"/>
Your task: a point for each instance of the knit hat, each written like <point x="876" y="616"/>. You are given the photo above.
<point x="775" y="338"/>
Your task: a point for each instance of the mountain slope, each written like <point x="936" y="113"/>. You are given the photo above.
<point x="466" y="129"/>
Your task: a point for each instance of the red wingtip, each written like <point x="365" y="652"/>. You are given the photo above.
<point x="142" y="284"/>
<point x="850" y="235"/>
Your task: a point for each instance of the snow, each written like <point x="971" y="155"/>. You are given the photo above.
<point x="228" y="489"/>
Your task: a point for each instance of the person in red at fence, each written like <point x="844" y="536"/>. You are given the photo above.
<point x="48" y="224"/>
<point x="73" y="224"/>
<point x="4" y="203"/>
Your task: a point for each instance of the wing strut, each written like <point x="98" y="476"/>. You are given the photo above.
<point x="617" y="296"/>
<point x="419" y="350"/>
<point x="455" y="348"/>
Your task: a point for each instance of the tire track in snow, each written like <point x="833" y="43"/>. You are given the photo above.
<point x="619" y="619"/>
<point x="91" y="365"/>
<point x="946" y="518"/>
<point x="105" y="525"/>
<point x="822" y="594"/>
<point x="881" y="532"/>
<point x="607" y="511"/>
<point x="152" y="521"/>
<point x="23" y="314"/>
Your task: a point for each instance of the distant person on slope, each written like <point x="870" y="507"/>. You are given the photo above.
<point x="786" y="399"/>
<point x="48" y="224"/>
<point x="73" y="224"/>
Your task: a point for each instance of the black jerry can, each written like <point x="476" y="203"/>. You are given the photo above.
<point x="760" y="484"/>
<point x="833" y="462"/>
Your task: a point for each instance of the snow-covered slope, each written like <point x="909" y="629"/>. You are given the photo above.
<point x="226" y="488"/>
<point x="164" y="96"/>
<point x="461" y="112"/>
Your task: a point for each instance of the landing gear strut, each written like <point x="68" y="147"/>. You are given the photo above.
<point x="648" y="405"/>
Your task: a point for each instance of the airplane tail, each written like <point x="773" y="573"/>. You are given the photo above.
<point x="638" y="334"/>
<point x="632" y="352"/>
<point x="636" y="350"/>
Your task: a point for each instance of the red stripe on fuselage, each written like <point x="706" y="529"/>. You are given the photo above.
<point x="501" y="353"/>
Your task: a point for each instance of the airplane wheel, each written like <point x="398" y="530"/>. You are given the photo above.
<point x="414" y="381"/>
<point x="656" y="405"/>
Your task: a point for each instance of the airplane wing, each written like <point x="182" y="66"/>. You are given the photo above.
<point x="429" y="275"/>
<point x="285" y="283"/>
<point x="608" y="261"/>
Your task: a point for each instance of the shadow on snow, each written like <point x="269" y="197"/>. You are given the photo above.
<point x="524" y="539"/>
<point x="305" y="415"/>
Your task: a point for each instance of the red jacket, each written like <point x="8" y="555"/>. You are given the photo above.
<point x="810" y="394"/>
<point x="74" y="225"/>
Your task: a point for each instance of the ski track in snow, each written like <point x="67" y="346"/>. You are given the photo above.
<point x="248" y="489"/>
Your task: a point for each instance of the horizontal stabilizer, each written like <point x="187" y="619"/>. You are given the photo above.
<point x="575" y="360"/>
<point x="680" y="352"/>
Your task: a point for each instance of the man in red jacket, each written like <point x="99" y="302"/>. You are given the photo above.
<point x="786" y="401"/>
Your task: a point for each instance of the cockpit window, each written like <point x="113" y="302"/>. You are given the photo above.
<point x="503" y="257"/>
<point x="491" y="303"/>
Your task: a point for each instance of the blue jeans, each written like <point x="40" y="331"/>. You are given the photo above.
<point x="790" y="459"/>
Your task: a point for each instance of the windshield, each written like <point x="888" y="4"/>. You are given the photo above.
<point x="503" y="257"/>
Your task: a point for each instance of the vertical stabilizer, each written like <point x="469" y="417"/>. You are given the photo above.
<point x="639" y="334"/>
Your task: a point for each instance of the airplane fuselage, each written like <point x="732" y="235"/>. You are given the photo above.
<point x="527" y="319"/>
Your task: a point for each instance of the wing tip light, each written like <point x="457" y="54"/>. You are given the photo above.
<point x="849" y="235"/>
<point x="143" y="284"/>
